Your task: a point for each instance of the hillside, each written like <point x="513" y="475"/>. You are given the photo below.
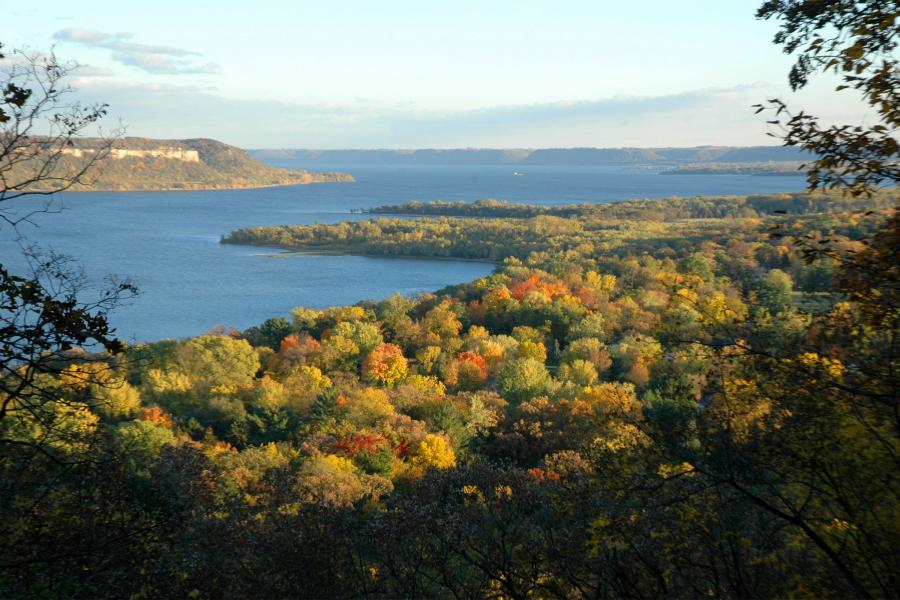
<point x="545" y="156"/>
<point x="193" y="164"/>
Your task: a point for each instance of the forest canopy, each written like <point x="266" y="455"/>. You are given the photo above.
<point x="626" y="407"/>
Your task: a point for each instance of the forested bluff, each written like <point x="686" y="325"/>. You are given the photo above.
<point x="678" y="397"/>
<point x="145" y="164"/>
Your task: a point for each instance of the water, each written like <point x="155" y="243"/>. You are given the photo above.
<point x="168" y="242"/>
<point x="550" y="185"/>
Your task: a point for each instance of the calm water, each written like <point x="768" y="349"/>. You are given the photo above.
<point x="168" y="242"/>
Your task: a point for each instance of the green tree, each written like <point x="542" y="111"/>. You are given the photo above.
<point x="338" y="354"/>
<point x="144" y="436"/>
<point x="698" y="264"/>
<point x="580" y="372"/>
<point x="218" y="360"/>
<point x="366" y="336"/>
<point x="774" y="291"/>
<point x="273" y="330"/>
<point x="521" y="379"/>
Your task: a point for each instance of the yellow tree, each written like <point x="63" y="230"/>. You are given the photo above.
<point x="385" y="365"/>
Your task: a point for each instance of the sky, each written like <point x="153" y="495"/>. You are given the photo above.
<point x="426" y="74"/>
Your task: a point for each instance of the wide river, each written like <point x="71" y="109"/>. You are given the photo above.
<point x="168" y="242"/>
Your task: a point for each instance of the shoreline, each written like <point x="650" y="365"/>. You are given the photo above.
<point x="350" y="179"/>
<point x="287" y="253"/>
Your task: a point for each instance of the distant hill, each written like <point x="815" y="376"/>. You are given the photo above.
<point x="663" y="157"/>
<point x="194" y="164"/>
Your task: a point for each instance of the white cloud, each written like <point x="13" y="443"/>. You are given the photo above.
<point x="154" y="59"/>
<point x="710" y="116"/>
<point x="84" y="71"/>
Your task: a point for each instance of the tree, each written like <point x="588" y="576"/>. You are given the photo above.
<point x="435" y="451"/>
<point x="42" y="321"/>
<point x="38" y="128"/>
<point x="856" y="41"/>
<point x="580" y="372"/>
<point x="218" y="360"/>
<point x="365" y="335"/>
<point x="521" y="379"/>
<point x="471" y="371"/>
<point x="773" y="291"/>
<point x="809" y="438"/>
<point x="41" y="316"/>
<point x="273" y="330"/>
<point x="386" y="365"/>
<point x="51" y="454"/>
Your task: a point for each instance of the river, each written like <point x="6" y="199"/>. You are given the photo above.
<point x="168" y="242"/>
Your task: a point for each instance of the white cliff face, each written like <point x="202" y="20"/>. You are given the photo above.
<point x="120" y="153"/>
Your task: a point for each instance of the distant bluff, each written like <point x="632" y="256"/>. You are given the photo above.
<point x="665" y="157"/>
<point x="135" y="163"/>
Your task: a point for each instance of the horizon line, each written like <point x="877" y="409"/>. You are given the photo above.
<point x="501" y="149"/>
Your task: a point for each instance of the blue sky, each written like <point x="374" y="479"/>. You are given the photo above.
<point x="404" y="74"/>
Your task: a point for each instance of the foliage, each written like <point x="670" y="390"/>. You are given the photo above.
<point x="385" y="364"/>
<point x="434" y="451"/>
<point x="218" y="360"/>
<point x="38" y="124"/>
<point x="856" y="41"/>
<point x="679" y="398"/>
<point x="641" y="210"/>
<point x="660" y="418"/>
<point x="522" y="378"/>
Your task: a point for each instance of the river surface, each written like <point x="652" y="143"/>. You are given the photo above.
<point x="168" y="242"/>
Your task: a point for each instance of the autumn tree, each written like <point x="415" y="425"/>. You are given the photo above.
<point x="468" y="371"/>
<point x="51" y="452"/>
<point x="41" y="315"/>
<point x="385" y="365"/>
<point x="434" y="451"/>
<point x="807" y="436"/>
<point x="855" y="41"/>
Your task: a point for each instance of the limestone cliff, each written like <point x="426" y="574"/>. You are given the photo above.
<point x="133" y="164"/>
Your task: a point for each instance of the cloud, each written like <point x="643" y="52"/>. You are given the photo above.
<point x="155" y="59"/>
<point x="603" y="109"/>
<point x="161" y="65"/>
<point x="707" y="116"/>
<point x="92" y="71"/>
